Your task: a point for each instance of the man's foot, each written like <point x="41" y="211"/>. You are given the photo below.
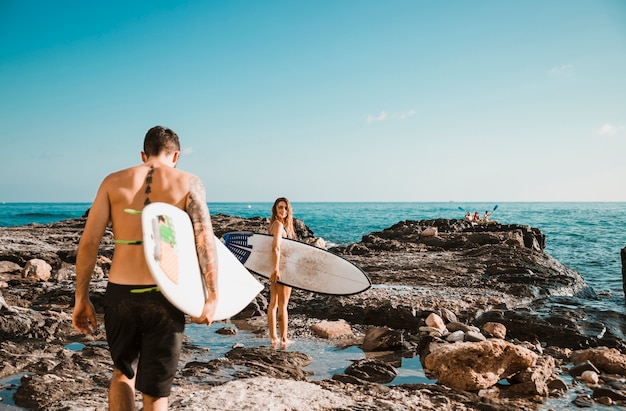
<point x="284" y="342"/>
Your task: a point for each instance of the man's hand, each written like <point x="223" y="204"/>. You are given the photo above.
<point x="208" y="312"/>
<point x="84" y="317"/>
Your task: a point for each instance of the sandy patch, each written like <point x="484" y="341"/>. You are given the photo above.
<point x="260" y="393"/>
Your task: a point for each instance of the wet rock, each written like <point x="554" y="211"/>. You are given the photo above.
<point x="584" y="401"/>
<point x="606" y="359"/>
<point x="580" y="367"/>
<point x="267" y="362"/>
<point x="372" y="371"/>
<point x="556" y="384"/>
<point x="615" y="393"/>
<point x="467" y="275"/>
<point x="550" y="322"/>
<point x="608" y="401"/>
<point x="381" y="339"/>
<point x="227" y="331"/>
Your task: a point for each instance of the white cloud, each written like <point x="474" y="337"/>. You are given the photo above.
<point x="562" y="70"/>
<point x="383" y="116"/>
<point x="610" y="130"/>
<point x="374" y="118"/>
<point x="50" y="154"/>
<point x="187" y="150"/>
<point x="405" y="114"/>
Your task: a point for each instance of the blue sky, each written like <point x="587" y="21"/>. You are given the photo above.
<point x="351" y="100"/>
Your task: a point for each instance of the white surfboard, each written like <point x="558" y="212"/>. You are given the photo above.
<point x="170" y="251"/>
<point x="301" y="265"/>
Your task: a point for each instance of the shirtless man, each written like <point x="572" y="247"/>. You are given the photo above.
<point x="144" y="330"/>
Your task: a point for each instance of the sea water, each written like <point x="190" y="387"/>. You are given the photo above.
<point x="587" y="237"/>
<point x="328" y="359"/>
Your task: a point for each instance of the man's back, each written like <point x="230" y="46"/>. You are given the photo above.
<point x="142" y="324"/>
<point x="133" y="188"/>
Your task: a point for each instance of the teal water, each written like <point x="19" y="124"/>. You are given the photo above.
<point x="587" y="237"/>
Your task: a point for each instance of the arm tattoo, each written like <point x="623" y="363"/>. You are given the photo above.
<point x="198" y="211"/>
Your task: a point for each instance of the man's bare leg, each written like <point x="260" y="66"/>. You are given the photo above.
<point x="121" y="392"/>
<point x="151" y="403"/>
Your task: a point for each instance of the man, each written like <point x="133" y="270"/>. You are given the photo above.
<point x="144" y="330"/>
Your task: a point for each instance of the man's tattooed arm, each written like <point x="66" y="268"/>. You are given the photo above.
<point x="198" y="211"/>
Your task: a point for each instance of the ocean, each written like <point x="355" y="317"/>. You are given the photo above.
<point x="586" y="237"/>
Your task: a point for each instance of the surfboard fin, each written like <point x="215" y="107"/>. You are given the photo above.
<point x="237" y="243"/>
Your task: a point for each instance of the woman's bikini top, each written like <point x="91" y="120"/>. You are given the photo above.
<point x="285" y="234"/>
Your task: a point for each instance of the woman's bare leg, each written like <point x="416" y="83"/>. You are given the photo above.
<point x="284" y="292"/>
<point x="271" y="313"/>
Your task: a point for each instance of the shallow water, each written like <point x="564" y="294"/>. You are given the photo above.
<point x="8" y="387"/>
<point x="587" y="237"/>
<point x="328" y="359"/>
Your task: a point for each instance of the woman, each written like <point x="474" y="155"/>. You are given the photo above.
<point x="281" y="226"/>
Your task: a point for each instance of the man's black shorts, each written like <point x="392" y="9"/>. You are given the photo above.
<point x="146" y="330"/>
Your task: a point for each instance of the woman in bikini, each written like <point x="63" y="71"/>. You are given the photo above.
<point x="281" y="226"/>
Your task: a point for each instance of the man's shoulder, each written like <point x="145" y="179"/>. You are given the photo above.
<point x="129" y="174"/>
<point x="124" y="173"/>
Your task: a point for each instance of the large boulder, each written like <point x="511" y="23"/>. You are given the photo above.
<point x="475" y="366"/>
<point x="606" y="359"/>
<point x="37" y="269"/>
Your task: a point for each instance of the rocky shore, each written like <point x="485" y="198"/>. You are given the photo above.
<point x="497" y="322"/>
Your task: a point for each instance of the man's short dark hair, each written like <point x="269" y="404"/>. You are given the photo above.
<point x="160" y="139"/>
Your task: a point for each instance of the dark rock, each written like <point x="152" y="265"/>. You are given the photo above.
<point x="263" y="361"/>
<point x="227" y="331"/>
<point x="372" y="371"/>
<point x="381" y="339"/>
<point x="579" y="368"/>
<point x="584" y="401"/>
<point x="555" y="321"/>
<point x="470" y="274"/>
<point x="616" y="394"/>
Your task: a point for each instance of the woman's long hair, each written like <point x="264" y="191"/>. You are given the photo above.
<point x="288" y="221"/>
